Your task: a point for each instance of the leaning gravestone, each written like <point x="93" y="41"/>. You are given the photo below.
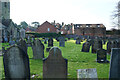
<point x="96" y="45"/>
<point x="86" y="47"/>
<point x="16" y="64"/>
<point x="23" y="45"/>
<point x="61" y="41"/>
<point x="55" y="66"/>
<point x="38" y="49"/>
<point x="102" y="56"/>
<point x="87" y="73"/>
<point x="115" y="64"/>
<point x="50" y="42"/>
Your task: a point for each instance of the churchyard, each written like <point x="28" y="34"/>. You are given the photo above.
<point x="76" y="59"/>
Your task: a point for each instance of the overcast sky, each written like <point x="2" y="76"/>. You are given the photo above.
<point x="67" y="11"/>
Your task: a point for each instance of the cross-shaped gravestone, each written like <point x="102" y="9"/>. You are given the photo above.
<point x="16" y="64"/>
<point x="55" y="66"/>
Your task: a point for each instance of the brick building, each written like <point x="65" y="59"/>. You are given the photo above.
<point x="90" y="29"/>
<point x="46" y="27"/>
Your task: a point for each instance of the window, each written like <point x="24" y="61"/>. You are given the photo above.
<point x="48" y="29"/>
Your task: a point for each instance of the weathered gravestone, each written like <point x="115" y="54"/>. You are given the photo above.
<point x="87" y="73"/>
<point x="55" y="66"/>
<point x="22" y="33"/>
<point x="29" y="43"/>
<point x="50" y="42"/>
<point x="109" y="46"/>
<point x="16" y="64"/>
<point x="38" y="49"/>
<point x="78" y="40"/>
<point x="102" y="56"/>
<point x="96" y="45"/>
<point x="86" y="47"/>
<point x="114" y="44"/>
<point x="61" y="41"/>
<point x="23" y="45"/>
<point x="115" y="64"/>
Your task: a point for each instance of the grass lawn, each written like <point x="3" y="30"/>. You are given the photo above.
<point x="76" y="60"/>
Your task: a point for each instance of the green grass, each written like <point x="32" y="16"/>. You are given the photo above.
<point x="76" y="60"/>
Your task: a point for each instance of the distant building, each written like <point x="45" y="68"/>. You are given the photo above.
<point x="90" y="29"/>
<point x="46" y="27"/>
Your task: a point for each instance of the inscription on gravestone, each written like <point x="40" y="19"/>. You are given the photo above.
<point x="16" y="63"/>
<point x="55" y="66"/>
<point x="102" y="56"/>
<point x="87" y="73"/>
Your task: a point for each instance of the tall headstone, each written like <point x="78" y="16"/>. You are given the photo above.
<point x="38" y="49"/>
<point x="96" y="45"/>
<point x="102" y="56"/>
<point x="109" y="46"/>
<point x="87" y="74"/>
<point x="86" y="47"/>
<point x="50" y="42"/>
<point x="16" y="64"/>
<point x="22" y="33"/>
<point x="115" y="64"/>
<point x="55" y="66"/>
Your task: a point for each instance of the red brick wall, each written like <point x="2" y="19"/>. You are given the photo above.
<point x="44" y="28"/>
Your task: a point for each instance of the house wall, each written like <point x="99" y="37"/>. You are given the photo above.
<point x="46" y="27"/>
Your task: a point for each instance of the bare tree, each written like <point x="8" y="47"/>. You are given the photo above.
<point x="116" y="16"/>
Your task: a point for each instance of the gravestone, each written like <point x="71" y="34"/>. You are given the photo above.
<point x="114" y="44"/>
<point x="87" y="73"/>
<point x="16" y="64"/>
<point x="61" y="41"/>
<point x="78" y="40"/>
<point x="86" y="47"/>
<point x="115" y="64"/>
<point x="38" y="49"/>
<point x="29" y="43"/>
<point x="102" y="56"/>
<point x="96" y="45"/>
<point x="55" y="66"/>
<point x="45" y="42"/>
<point x="109" y="46"/>
<point x="50" y="42"/>
<point x="23" y="45"/>
<point x="22" y="33"/>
